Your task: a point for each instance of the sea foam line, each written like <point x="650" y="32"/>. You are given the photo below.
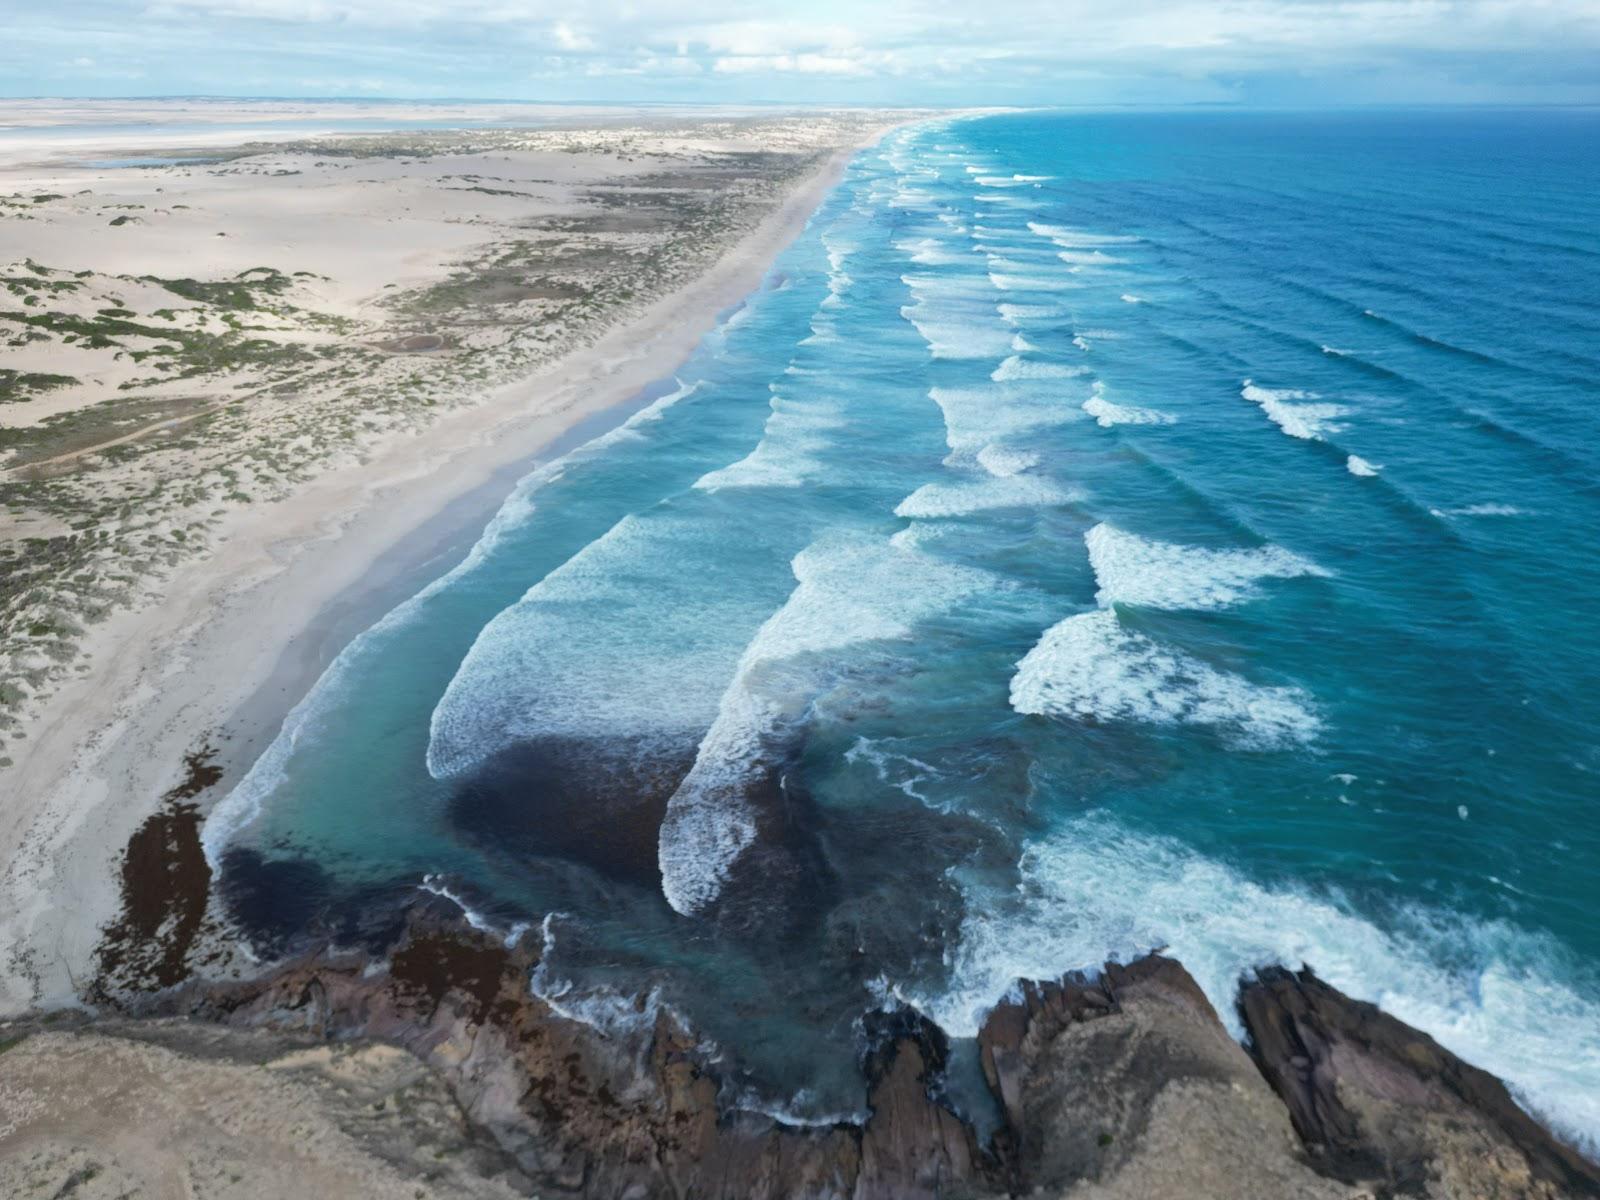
<point x="1089" y="667"/>
<point x="1134" y="570"/>
<point x="1289" y="410"/>
<point x="1107" y="414"/>
<point x="849" y="590"/>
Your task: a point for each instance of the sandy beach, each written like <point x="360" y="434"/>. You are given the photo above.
<point x="217" y="651"/>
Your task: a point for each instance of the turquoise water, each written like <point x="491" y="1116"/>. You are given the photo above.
<point x="1101" y="533"/>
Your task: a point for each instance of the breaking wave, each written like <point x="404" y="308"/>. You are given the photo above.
<point x="1095" y="890"/>
<point x="1134" y="570"/>
<point x="1089" y="668"/>
<point x="848" y="590"/>
<point x="1294" y="411"/>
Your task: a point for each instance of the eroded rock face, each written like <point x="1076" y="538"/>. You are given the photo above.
<point x="913" y="1146"/>
<point x="1129" y="1086"/>
<point x="1379" y="1102"/>
<point x="1121" y="1087"/>
<point x="635" y="1115"/>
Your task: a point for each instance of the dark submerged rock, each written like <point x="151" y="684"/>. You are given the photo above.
<point x="599" y="804"/>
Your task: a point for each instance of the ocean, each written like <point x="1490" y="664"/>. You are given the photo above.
<point x="1101" y="533"/>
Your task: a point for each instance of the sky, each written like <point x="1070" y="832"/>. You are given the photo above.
<point x="906" y="52"/>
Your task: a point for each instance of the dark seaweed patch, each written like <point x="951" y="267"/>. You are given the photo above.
<point x="431" y="965"/>
<point x="165" y="884"/>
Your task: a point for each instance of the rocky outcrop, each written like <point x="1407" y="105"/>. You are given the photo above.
<point x="913" y="1145"/>
<point x="1129" y="1086"/>
<point x="631" y="1115"/>
<point x="1378" y="1102"/>
<point x="1121" y="1087"/>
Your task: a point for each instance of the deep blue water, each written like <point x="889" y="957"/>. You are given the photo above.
<point x="1102" y="532"/>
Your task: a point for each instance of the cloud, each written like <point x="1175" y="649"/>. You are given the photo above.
<point x="941" y="51"/>
<point x="804" y="64"/>
<point x="568" y="38"/>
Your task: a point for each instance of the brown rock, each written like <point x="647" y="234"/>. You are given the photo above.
<point x="1121" y="1087"/>
<point x="913" y="1147"/>
<point x="1128" y="1086"/>
<point x="1377" y="1100"/>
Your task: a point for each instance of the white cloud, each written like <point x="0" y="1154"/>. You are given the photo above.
<point x="568" y="38"/>
<point x="908" y="49"/>
<point x="804" y="64"/>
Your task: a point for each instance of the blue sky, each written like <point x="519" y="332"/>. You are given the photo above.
<point x="1265" y="52"/>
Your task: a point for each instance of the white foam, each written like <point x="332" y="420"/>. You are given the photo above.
<point x="1069" y="238"/>
<point x="949" y="287"/>
<point x="1088" y="258"/>
<point x="1030" y="283"/>
<point x="1016" y="367"/>
<point x="1107" y="414"/>
<point x="334" y="690"/>
<point x="902" y="772"/>
<point x="966" y="497"/>
<point x="978" y="417"/>
<point x="1481" y="510"/>
<point x="799" y="430"/>
<point x="1015" y="314"/>
<point x="1001" y="265"/>
<point x="1088" y="667"/>
<point x="1133" y="570"/>
<point x="1129" y="298"/>
<point x="1493" y="993"/>
<point x="960" y="338"/>
<point x="912" y="197"/>
<point x="798" y="1112"/>
<point x="611" y="1012"/>
<point x="823" y="331"/>
<point x="619" y="641"/>
<point x="1006" y="460"/>
<point x="998" y="233"/>
<point x="1287" y="408"/>
<point x="435" y="885"/>
<point x="848" y="590"/>
<point x="930" y="251"/>
<point x="1357" y="465"/>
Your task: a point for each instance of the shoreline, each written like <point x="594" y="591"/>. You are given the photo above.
<point x="1118" y="1084"/>
<point x="240" y="636"/>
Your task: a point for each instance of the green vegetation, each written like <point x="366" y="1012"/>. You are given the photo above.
<point x="24" y="385"/>
<point x="243" y="291"/>
<point x="186" y="353"/>
<point x="276" y="391"/>
<point x="80" y="428"/>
